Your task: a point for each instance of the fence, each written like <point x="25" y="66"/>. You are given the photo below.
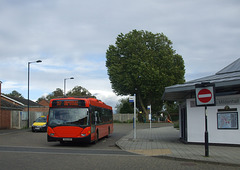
<point x="123" y="117"/>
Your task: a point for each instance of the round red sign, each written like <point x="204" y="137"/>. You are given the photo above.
<point x="204" y="95"/>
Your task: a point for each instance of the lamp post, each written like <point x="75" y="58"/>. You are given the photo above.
<point x="65" y="84"/>
<point x="38" y="61"/>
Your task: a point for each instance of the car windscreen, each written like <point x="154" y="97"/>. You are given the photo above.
<point x="41" y="119"/>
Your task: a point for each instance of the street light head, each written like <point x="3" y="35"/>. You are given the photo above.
<point x="72" y="78"/>
<point x="38" y="61"/>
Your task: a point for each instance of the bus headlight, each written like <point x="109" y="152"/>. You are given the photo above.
<point x="86" y="132"/>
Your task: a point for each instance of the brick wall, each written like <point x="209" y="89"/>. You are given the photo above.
<point x="43" y="109"/>
<point x="44" y="103"/>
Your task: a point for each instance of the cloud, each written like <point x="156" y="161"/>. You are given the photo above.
<point x="107" y="97"/>
<point x="71" y="38"/>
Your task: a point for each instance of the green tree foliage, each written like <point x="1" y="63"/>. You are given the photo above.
<point x="144" y="63"/>
<point x="57" y="93"/>
<point x="15" y="93"/>
<point x="79" y="91"/>
<point x="124" y="106"/>
<point x="171" y="107"/>
<point x="41" y="98"/>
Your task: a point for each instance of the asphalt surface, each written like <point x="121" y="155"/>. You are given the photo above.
<point x="22" y="149"/>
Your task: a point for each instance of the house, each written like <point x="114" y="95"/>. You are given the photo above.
<point x="14" y="112"/>
<point x="44" y="102"/>
<point x="7" y="110"/>
<point x="222" y="119"/>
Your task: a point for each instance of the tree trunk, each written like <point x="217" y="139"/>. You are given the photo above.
<point x="142" y="105"/>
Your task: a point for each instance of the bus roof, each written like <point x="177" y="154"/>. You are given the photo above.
<point x="87" y="102"/>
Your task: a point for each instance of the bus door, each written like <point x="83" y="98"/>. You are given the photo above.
<point x="94" y="115"/>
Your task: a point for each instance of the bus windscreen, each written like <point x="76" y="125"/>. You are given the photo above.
<point x="68" y="117"/>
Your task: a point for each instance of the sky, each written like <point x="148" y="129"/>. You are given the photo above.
<point x="71" y="38"/>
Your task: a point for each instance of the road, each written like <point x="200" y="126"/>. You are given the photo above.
<point x="23" y="149"/>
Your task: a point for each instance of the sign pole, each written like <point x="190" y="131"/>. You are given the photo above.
<point x="132" y="99"/>
<point x="205" y="96"/>
<point x="150" y="115"/>
<point x="135" y="130"/>
<point x="206" y="134"/>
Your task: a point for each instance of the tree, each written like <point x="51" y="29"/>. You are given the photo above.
<point x="76" y="91"/>
<point x="172" y="109"/>
<point x="144" y="63"/>
<point x="41" y="98"/>
<point x="124" y="106"/>
<point x="79" y="91"/>
<point x="15" y="93"/>
<point x="57" y="93"/>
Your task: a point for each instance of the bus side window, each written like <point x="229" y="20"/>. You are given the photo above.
<point x="96" y="117"/>
<point x="92" y="115"/>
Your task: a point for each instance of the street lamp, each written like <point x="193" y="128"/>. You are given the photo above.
<point x="38" y="61"/>
<point x="65" y="84"/>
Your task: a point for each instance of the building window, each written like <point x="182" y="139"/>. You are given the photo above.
<point x="227" y="120"/>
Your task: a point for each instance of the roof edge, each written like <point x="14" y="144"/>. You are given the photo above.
<point x="9" y="98"/>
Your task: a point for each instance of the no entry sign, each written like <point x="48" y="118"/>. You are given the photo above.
<point x="205" y="94"/>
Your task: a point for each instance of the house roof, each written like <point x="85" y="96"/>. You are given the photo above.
<point x="25" y="101"/>
<point x="231" y="68"/>
<point x="21" y="101"/>
<point x="8" y="105"/>
<point x="11" y="100"/>
<point x="226" y="80"/>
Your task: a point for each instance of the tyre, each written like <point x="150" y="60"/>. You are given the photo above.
<point x="108" y="132"/>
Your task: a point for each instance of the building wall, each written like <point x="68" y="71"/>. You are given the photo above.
<point x="43" y="109"/>
<point x="35" y="112"/>
<point x="196" y="121"/>
<point x="20" y="119"/>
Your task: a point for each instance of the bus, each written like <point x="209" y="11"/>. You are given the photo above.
<point x="80" y="119"/>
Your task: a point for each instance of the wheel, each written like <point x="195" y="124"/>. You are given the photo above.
<point x="108" y="132"/>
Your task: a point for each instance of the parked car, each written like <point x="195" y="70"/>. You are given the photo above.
<point x="40" y="124"/>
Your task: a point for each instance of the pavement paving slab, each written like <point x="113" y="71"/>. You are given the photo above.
<point x="164" y="142"/>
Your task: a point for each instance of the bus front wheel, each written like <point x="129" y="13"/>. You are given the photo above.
<point x="108" y="132"/>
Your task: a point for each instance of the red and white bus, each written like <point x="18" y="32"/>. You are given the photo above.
<point x="78" y="120"/>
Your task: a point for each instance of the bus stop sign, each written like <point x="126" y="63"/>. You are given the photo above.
<point x="205" y="94"/>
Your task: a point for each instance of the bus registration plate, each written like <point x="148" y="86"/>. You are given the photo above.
<point x="67" y="139"/>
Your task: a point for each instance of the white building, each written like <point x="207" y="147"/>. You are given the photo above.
<point x="222" y="119"/>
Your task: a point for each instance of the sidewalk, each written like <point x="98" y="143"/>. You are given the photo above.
<point x="164" y="142"/>
<point x="9" y="131"/>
